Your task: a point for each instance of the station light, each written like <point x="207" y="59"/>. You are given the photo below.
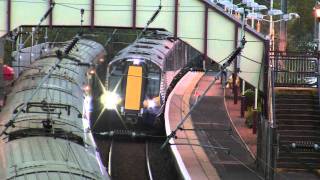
<point x="92" y="71"/>
<point x="110" y="100"/>
<point x="101" y="60"/>
<point x="317" y="11"/>
<point x="86" y="88"/>
<point x="291" y="16"/>
<point x="151" y="104"/>
<point x="275" y="12"/>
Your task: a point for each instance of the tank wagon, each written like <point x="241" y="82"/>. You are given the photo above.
<point x="50" y="138"/>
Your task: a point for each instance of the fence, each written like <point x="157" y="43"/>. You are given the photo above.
<point x="267" y="148"/>
<point x="295" y="69"/>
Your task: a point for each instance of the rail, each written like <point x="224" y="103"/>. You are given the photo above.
<point x="149" y="172"/>
<point x="110" y="159"/>
<point x="318" y="78"/>
<point x="114" y="157"/>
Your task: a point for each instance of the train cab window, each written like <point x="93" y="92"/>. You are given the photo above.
<point x="153" y="81"/>
<point x="116" y="74"/>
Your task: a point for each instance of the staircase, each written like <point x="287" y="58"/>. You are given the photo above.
<point x="297" y="116"/>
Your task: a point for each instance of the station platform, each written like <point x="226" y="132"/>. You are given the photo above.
<point x="209" y="146"/>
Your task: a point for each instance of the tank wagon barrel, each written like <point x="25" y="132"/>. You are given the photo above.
<point x="50" y="138"/>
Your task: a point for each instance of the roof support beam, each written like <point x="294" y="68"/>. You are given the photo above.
<point x="92" y="14"/>
<point x="176" y="15"/>
<point x="134" y="14"/>
<point x="8" y="15"/>
<point x="50" y="15"/>
<point x="235" y="70"/>
<point x="266" y="77"/>
<point x="205" y="38"/>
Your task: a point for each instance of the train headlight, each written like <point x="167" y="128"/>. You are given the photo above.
<point x="110" y="100"/>
<point x="152" y="103"/>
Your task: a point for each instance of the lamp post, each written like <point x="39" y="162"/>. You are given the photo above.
<point x="317" y="20"/>
<point x="274" y="12"/>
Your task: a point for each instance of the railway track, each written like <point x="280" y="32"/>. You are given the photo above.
<point x="129" y="160"/>
<point x="124" y="152"/>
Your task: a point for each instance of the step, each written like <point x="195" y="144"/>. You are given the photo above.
<point x="307" y="122"/>
<point x="300" y="132"/>
<point x="310" y="154"/>
<point x="288" y="142"/>
<point x="300" y="96"/>
<point x="299" y="161"/>
<point x="298" y="106"/>
<point x="299" y="158"/>
<point x="296" y="101"/>
<point x="297" y="116"/>
<point x="298" y="111"/>
<point x="305" y="127"/>
<point x="296" y="165"/>
<point x="288" y="139"/>
<point x="286" y="150"/>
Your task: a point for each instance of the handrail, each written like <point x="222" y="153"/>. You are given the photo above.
<point x="270" y="92"/>
<point x="273" y="97"/>
<point x="294" y="69"/>
<point x="318" y="76"/>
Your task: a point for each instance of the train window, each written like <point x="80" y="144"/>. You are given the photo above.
<point x="141" y="53"/>
<point x="153" y="80"/>
<point x="116" y="75"/>
<point x="153" y="85"/>
<point x="143" y="46"/>
<point x="149" y="42"/>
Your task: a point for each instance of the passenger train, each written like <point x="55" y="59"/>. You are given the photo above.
<point x="50" y="138"/>
<point x="137" y="77"/>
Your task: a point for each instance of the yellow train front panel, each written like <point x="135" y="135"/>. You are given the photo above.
<point x="133" y="88"/>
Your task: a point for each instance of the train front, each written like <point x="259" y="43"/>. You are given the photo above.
<point x="133" y="90"/>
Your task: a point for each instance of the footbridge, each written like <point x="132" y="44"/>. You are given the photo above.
<point x="200" y="23"/>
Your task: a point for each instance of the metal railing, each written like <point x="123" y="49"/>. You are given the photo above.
<point x="295" y="69"/>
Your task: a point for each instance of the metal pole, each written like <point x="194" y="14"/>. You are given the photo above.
<point x="318" y="35"/>
<point x="258" y="26"/>
<point x="283" y="27"/>
<point x="256" y="99"/>
<point x="243" y="99"/>
<point x="32" y="41"/>
<point x="46" y="35"/>
<point x="243" y="87"/>
<point x="252" y="19"/>
<point x="271" y="32"/>
<point x="318" y="78"/>
<point x="19" y="49"/>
